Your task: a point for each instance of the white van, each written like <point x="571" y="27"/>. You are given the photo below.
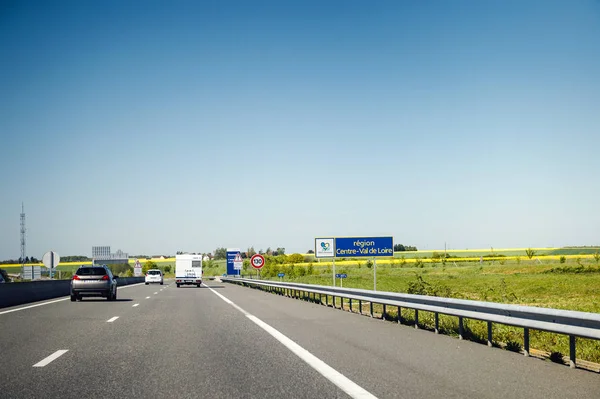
<point x="188" y="270"/>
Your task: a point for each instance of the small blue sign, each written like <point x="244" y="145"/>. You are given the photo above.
<point x="364" y="247"/>
<point x="281" y="275"/>
<point x="341" y="275"/>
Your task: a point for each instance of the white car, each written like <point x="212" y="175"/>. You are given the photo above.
<point x="154" y="276"/>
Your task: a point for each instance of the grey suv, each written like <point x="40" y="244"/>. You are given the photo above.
<point x="93" y="281"/>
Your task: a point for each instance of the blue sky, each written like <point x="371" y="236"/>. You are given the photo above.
<point x="161" y="126"/>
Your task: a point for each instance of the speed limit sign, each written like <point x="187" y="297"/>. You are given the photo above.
<point x="257" y="261"/>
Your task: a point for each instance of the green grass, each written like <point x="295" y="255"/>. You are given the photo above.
<point x="525" y="283"/>
<point x="575" y="251"/>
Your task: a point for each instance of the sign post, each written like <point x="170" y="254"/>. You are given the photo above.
<point x="341" y="276"/>
<point x="325" y="248"/>
<point x="51" y="260"/>
<point x="374" y="274"/>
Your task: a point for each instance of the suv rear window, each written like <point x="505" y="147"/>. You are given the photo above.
<point x="91" y="271"/>
<point x="153" y="271"/>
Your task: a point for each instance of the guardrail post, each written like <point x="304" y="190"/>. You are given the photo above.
<point x="350" y="303"/>
<point x="437" y="322"/>
<point x="320" y="300"/>
<point x="526" y="341"/>
<point x="572" y="353"/>
<point x="359" y="306"/>
<point x="334" y="302"/>
<point x="342" y="302"/>
<point x="327" y="300"/>
<point x="383" y="315"/>
<point x="417" y="318"/>
<point x="489" y="325"/>
<point x="461" y="328"/>
<point x="371" y="303"/>
<point x="399" y="315"/>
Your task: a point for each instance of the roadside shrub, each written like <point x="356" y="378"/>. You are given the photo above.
<point x="562" y="259"/>
<point x="369" y="263"/>
<point x="419" y="262"/>
<point x="310" y="269"/>
<point x="575" y="270"/>
<point x="121" y="268"/>
<point x="597" y="256"/>
<point x="422" y="287"/>
<point x="295" y="258"/>
<point x="518" y="260"/>
<point x="530" y="253"/>
<point x="147" y="266"/>
<point x="513" y="346"/>
<point x="168" y="269"/>
<point x="556" y="357"/>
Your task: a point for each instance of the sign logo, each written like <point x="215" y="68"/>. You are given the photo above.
<point x="324" y="248"/>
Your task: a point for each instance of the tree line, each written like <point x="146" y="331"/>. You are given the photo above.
<point x="20" y="260"/>
<point x="33" y="259"/>
<point x="221" y="253"/>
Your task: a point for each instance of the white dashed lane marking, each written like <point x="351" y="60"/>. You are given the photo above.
<point x="51" y="358"/>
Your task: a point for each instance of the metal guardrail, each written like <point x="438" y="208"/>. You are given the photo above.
<point x="572" y="323"/>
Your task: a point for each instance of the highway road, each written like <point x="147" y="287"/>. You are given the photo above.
<point x="226" y="341"/>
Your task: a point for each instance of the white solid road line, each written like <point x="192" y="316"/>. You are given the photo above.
<point x="137" y="304"/>
<point x="112" y="319"/>
<point x="34" y="306"/>
<point x="341" y="381"/>
<point x="54" y="301"/>
<point x="51" y="358"/>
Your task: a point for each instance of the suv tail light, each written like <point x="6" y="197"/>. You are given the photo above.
<point x="105" y="277"/>
<point x="76" y="277"/>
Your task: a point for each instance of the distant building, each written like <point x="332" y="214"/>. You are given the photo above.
<point x="101" y="252"/>
<point x="103" y="256"/>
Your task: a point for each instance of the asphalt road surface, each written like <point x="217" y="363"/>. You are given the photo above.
<point x="226" y="341"/>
